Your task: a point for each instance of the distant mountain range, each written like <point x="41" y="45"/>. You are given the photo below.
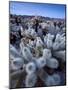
<point x="40" y="17"/>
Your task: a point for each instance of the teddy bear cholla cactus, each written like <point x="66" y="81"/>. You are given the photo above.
<point x="50" y="61"/>
<point x="30" y="80"/>
<point x="49" y="80"/>
<point x="16" y="64"/>
<point x="60" y="54"/>
<point x="40" y="63"/>
<point x="59" y="42"/>
<point x="30" y="67"/>
<point x="30" y="32"/>
<point x="39" y="46"/>
<point x="48" y="40"/>
<point x="32" y="64"/>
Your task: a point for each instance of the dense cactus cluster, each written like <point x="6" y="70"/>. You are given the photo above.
<point x="37" y="53"/>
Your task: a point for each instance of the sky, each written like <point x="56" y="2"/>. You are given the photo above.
<point x="42" y="9"/>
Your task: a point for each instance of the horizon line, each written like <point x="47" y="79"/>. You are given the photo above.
<point x="37" y="15"/>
